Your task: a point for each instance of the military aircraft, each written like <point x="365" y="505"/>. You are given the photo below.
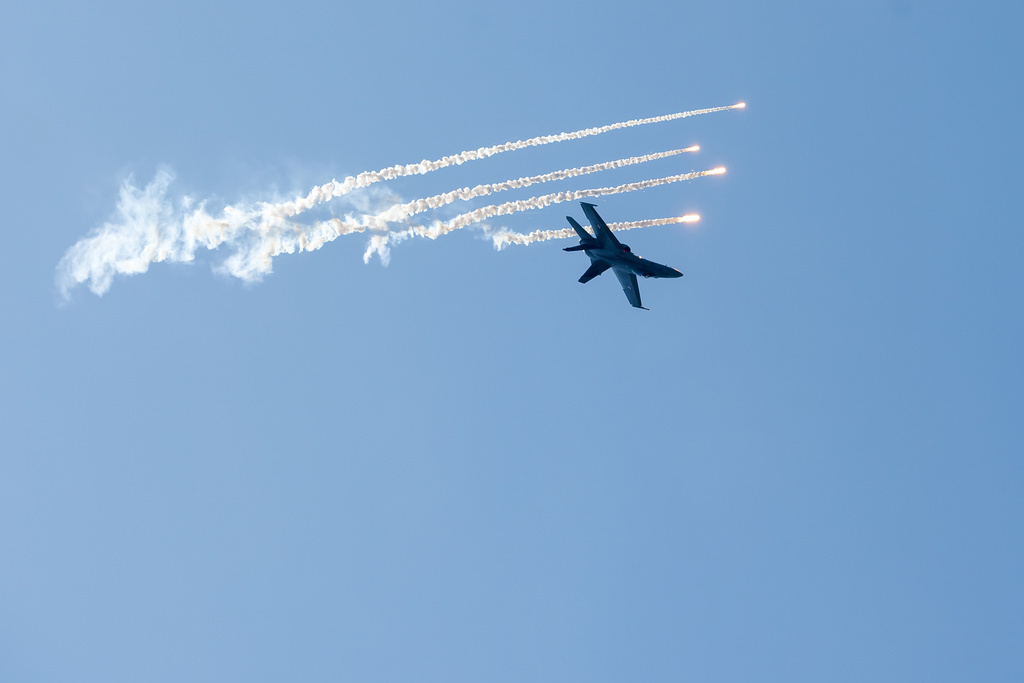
<point x="605" y="252"/>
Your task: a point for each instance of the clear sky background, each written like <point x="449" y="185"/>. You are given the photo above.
<point x="803" y="464"/>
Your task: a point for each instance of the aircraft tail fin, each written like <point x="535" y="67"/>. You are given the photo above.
<point x="580" y="230"/>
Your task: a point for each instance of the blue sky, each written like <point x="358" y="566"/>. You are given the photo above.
<point x="803" y="464"/>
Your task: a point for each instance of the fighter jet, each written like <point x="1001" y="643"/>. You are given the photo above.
<point x="605" y="252"/>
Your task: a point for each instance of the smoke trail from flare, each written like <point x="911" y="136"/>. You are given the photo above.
<point x="337" y="188"/>
<point x="503" y="239"/>
<point x="485" y="212"/>
<point x="402" y="211"/>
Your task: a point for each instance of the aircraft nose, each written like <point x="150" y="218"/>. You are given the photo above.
<point x="675" y="273"/>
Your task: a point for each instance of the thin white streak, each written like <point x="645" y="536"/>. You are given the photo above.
<point x="337" y="188"/>
<point x="542" y="201"/>
<point x="402" y="211"/>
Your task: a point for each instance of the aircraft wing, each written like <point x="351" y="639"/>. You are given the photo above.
<point x="604" y="234"/>
<point x="628" y="281"/>
<point x="595" y="269"/>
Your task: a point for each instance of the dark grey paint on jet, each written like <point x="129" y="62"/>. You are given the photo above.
<point x="605" y="252"/>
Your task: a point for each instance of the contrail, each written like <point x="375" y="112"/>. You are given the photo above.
<point x="337" y="188"/>
<point x="503" y="239"/>
<point x="379" y="244"/>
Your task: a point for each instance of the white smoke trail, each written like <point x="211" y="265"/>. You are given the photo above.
<point x="380" y="244"/>
<point x="503" y="239"/>
<point x="145" y="230"/>
<point x="485" y="212"/>
<point x="148" y="227"/>
<point x="337" y="188"/>
<point x="402" y="211"/>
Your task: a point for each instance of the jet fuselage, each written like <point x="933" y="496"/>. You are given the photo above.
<point x="624" y="259"/>
<point x="607" y="253"/>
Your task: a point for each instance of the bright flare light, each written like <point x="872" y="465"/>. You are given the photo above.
<point x="689" y="218"/>
<point x="695" y="148"/>
<point x="716" y="171"/>
<point x="741" y="105"/>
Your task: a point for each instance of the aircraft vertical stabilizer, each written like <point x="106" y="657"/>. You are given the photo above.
<point x="580" y="230"/>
